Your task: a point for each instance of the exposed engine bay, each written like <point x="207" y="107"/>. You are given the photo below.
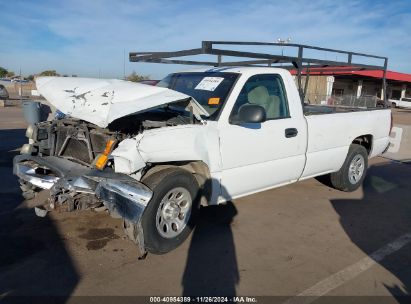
<point x="82" y="142"/>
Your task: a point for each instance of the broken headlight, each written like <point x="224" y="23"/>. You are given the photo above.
<point x="42" y="134"/>
<point x="31" y="131"/>
<point x="28" y="149"/>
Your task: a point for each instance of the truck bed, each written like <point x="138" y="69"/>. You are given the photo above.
<point x="325" y="109"/>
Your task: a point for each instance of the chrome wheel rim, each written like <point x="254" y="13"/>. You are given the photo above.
<point x="173" y="212"/>
<point x="356" y="170"/>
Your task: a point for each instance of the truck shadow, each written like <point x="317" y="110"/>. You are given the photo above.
<point x="381" y="216"/>
<point x="211" y="268"/>
<point x="33" y="257"/>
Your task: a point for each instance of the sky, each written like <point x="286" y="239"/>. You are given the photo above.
<point x="89" y="37"/>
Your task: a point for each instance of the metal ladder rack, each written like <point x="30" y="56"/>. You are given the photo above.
<point x="299" y="63"/>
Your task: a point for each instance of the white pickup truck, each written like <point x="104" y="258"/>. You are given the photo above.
<point x="404" y="102"/>
<point x="152" y="154"/>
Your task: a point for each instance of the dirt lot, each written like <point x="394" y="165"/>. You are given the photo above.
<point x="300" y="239"/>
<point x="402" y="116"/>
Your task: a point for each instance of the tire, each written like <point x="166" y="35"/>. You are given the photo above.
<point x="162" y="234"/>
<point x="393" y="105"/>
<point x="347" y="179"/>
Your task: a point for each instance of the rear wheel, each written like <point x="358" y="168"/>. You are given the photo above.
<point x="351" y="175"/>
<point x="172" y="212"/>
<point x="393" y="105"/>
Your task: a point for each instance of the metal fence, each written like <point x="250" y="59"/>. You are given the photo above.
<point x="343" y="100"/>
<point x="17" y="90"/>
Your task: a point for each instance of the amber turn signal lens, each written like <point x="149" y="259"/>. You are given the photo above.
<point x="109" y="146"/>
<point x="101" y="160"/>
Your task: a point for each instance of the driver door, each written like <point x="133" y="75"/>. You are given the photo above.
<point x="258" y="156"/>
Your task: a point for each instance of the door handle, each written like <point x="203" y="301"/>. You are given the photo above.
<point x="291" y="132"/>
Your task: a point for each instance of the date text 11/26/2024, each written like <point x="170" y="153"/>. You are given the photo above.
<point x="199" y="299"/>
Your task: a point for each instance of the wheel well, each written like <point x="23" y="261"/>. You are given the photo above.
<point x="365" y="141"/>
<point x="198" y="168"/>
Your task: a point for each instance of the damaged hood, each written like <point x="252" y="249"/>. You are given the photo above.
<point x="101" y="101"/>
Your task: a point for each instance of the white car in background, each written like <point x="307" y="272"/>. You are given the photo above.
<point x="404" y="102"/>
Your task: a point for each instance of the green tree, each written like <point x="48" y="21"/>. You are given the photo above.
<point x="49" y="73"/>
<point x="30" y="77"/>
<point x="136" y="78"/>
<point x="3" y="72"/>
<point x="10" y="74"/>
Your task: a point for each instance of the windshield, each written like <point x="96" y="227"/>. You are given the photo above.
<point x="209" y="89"/>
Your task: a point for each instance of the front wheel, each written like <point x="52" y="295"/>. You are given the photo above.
<point x="172" y="212"/>
<point x="351" y="175"/>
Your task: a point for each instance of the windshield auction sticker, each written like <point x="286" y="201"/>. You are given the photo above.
<point x="209" y="83"/>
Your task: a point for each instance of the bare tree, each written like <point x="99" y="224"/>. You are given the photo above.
<point x="136" y="78"/>
<point x="49" y="73"/>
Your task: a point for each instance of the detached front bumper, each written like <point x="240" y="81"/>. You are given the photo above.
<point x="71" y="186"/>
<point x="121" y="194"/>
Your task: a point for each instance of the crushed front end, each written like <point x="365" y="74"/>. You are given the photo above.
<point x="67" y="166"/>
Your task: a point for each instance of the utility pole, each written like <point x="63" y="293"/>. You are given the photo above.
<point x="283" y="41"/>
<point x="124" y="64"/>
<point x="21" y="89"/>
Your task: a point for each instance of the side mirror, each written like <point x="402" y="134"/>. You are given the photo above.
<point x="251" y="113"/>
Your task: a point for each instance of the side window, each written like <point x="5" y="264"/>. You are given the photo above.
<point x="265" y="90"/>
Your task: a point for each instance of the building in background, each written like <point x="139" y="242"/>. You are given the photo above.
<point x="325" y="85"/>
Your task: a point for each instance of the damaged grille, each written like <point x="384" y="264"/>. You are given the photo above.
<point x="73" y="140"/>
<point x="74" y="148"/>
<point x="79" y="143"/>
